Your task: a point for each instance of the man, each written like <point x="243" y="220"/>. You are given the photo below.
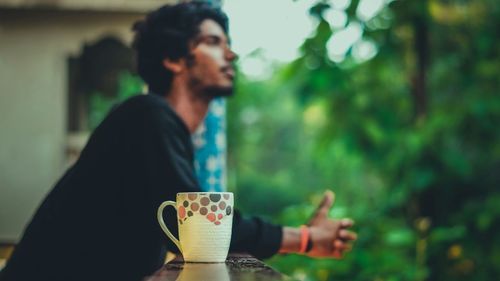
<point x="98" y="223"/>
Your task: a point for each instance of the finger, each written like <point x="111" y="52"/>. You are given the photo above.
<point x="344" y="223"/>
<point x="338" y="244"/>
<point x="347" y="235"/>
<point x="342" y="246"/>
<point x="325" y="204"/>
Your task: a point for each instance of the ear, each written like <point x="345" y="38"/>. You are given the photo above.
<point x="175" y="66"/>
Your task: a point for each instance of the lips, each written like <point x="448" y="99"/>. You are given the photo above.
<point x="228" y="71"/>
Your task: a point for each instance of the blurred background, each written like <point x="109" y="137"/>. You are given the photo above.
<point x="393" y="105"/>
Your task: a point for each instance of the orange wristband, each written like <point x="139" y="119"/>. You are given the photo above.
<point x="304" y="238"/>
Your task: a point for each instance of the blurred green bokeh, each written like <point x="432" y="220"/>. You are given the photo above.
<point x="408" y="140"/>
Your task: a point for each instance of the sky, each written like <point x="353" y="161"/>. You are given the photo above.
<point x="268" y="31"/>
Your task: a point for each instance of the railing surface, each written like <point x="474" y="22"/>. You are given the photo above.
<point x="237" y="267"/>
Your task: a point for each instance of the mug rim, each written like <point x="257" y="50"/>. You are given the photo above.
<point x="198" y="192"/>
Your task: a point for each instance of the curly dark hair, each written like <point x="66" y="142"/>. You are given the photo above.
<point x="166" y="33"/>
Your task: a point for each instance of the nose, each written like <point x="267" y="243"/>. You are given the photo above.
<point x="230" y="55"/>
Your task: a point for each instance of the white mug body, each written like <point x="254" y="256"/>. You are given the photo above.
<point x="205" y="222"/>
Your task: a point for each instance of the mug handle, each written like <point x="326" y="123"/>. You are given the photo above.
<point x="162" y="223"/>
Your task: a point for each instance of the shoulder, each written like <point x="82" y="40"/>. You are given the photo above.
<point x="149" y="101"/>
<point x="152" y="112"/>
<point x="144" y="107"/>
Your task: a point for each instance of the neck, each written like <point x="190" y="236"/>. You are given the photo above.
<point x="191" y="107"/>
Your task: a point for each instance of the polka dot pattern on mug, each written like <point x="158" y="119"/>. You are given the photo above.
<point x="213" y="206"/>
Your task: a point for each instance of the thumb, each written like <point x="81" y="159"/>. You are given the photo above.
<point x="325" y="205"/>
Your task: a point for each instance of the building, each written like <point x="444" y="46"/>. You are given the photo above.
<point x="42" y="112"/>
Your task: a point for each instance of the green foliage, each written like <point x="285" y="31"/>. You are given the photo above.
<point x="413" y="158"/>
<point x="99" y="104"/>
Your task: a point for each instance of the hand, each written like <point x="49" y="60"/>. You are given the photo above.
<point x="330" y="238"/>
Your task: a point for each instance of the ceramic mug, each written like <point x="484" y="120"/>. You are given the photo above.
<point x="205" y="222"/>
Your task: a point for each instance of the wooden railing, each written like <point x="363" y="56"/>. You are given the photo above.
<point x="236" y="267"/>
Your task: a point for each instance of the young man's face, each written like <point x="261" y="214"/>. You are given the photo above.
<point x="210" y="70"/>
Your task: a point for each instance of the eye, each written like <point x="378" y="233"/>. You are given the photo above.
<point x="212" y="40"/>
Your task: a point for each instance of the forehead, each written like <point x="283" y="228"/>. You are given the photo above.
<point x="210" y="27"/>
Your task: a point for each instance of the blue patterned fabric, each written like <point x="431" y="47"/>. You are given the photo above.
<point x="210" y="148"/>
<point x="210" y="144"/>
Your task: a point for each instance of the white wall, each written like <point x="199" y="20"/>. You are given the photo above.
<point x="34" y="47"/>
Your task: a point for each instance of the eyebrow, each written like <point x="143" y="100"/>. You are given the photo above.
<point x="199" y="38"/>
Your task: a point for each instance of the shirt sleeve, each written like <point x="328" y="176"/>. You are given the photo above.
<point x="255" y="236"/>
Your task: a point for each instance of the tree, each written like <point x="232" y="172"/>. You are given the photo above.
<point x="407" y="139"/>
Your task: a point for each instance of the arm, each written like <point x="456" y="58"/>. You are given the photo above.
<point x="169" y="170"/>
<point x="255" y="236"/>
<point x="291" y="240"/>
<point x="328" y="237"/>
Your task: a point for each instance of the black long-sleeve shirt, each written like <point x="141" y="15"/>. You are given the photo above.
<point x="99" y="221"/>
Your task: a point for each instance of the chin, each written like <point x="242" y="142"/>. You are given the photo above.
<point x="216" y="92"/>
